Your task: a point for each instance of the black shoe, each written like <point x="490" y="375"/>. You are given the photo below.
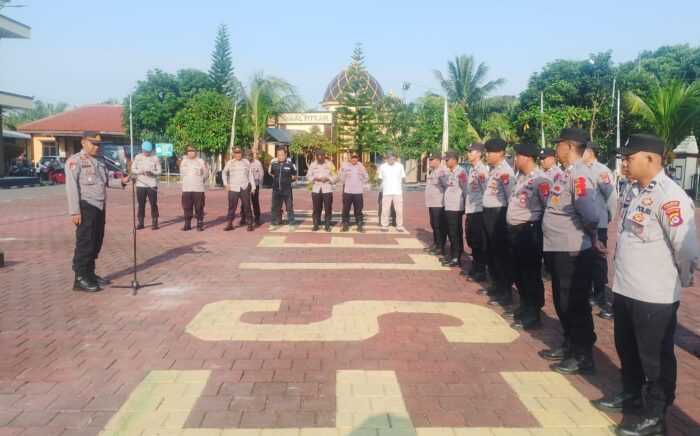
<point x="501" y="300"/>
<point x="274" y="223"/>
<point x="187" y="226"/>
<point x="430" y="249"/>
<point x="437" y="251"/>
<point x="646" y="427"/>
<point x="154" y="224"/>
<point x="85" y="284"/>
<point x="527" y="323"/>
<point x="228" y="227"/>
<point x="478" y="277"/>
<point x="242" y="222"/>
<point x="582" y="364"/>
<point x="200" y="226"/>
<point x="346" y="228"/>
<point x="140" y="226"/>
<point x="618" y="403"/>
<point x="327" y="227"/>
<point x="315" y="228"/>
<point x="454" y="263"/>
<point x="554" y="354"/>
<point x="605" y="313"/>
<point x="360" y="228"/>
<point x="512" y="312"/>
<point x="250" y="227"/>
<point x="100" y="280"/>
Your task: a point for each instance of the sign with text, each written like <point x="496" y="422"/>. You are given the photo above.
<point x="306" y="118"/>
<point x="164" y="150"/>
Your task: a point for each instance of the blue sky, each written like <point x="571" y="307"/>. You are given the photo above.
<point x="86" y="51"/>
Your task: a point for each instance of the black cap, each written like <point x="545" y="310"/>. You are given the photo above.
<point x="355" y="154"/>
<point x="495" y="144"/>
<point x="434" y="155"/>
<point x="547" y="152"/>
<point x="477" y="146"/>
<point x="643" y="142"/>
<point x="593" y="145"/>
<point x="451" y="155"/>
<point x="572" y="134"/>
<point x="92" y="136"/>
<point x="527" y="150"/>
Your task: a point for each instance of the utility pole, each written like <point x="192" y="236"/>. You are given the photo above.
<point x="542" y="117"/>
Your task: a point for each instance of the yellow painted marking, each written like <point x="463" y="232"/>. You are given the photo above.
<point x="349" y="321"/>
<point x="307" y="228"/>
<point x="339" y="242"/>
<point x="368" y="403"/>
<point x="421" y="262"/>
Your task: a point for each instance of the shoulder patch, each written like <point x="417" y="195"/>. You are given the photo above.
<point x="544" y="189"/>
<point x="505" y="178"/>
<point x="581" y="186"/>
<point x="605" y="178"/>
<point x="672" y="210"/>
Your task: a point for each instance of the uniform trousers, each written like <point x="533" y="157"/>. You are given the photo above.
<point x="89" y="235"/>
<point x="455" y="232"/>
<point x="356" y="201"/>
<point x="193" y="200"/>
<point x="438" y="223"/>
<point x="525" y="243"/>
<point x="244" y="196"/>
<point x="476" y="240"/>
<point x="496" y="244"/>
<point x="143" y="193"/>
<point x="322" y="200"/>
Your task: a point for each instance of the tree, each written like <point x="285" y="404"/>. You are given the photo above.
<point x="357" y="122"/>
<point x="427" y="135"/>
<point x="191" y="82"/>
<point x="671" y="110"/>
<point x="466" y="83"/>
<point x="221" y="70"/>
<point x="306" y="143"/>
<point x="39" y="110"/>
<point x="155" y="101"/>
<point x="267" y="96"/>
<point x="205" y="122"/>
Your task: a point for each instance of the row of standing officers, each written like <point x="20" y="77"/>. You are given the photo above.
<point x="561" y="216"/>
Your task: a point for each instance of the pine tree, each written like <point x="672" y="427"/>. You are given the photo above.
<point x="221" y="70"/>
<point x="356" y="118"/>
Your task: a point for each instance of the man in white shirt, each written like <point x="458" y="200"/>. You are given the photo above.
<point x="391" y="173"/>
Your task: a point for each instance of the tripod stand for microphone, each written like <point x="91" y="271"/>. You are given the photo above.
<point x="135" y="285"/>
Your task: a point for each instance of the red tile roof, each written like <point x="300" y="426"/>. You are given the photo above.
<point x="103" y="118"/>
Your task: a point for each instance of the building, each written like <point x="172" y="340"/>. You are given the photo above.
<point x="684" y="169"/>
<point x="9" y="101"/>
<point x="60" y="134"/>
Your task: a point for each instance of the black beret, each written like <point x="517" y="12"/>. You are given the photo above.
<point x="495" y="144"/>
<point x="572" y="134"/>
<point x="593" y="145"/>
<point x="451" y="155"/>
<point x="643" y="142"/>
<point x="527" y="150"/>
<point x="477" y="146"/>
<point x="547" y="152"/>
<point x="435" y="155"/>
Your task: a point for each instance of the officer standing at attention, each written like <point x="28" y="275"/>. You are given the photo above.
<point x="473" y="207"/>
<point x="193" y="173"/>
<point x="655" y="256"/>
<point x="548" y="162"/>
<point x="498" y="186"/>
<point x="524" y="216"/>
<point x="238" y="182"/>
<point x="283" y="173"/>
<point x="146" y="167"/>
<point x="607" y="202"/>
<point x="256" y="168"/>
<point x="454" y="181"/>
<point x="570" y="232"/>
<point x="353" y="176"/>
<point x="435" y="202"/>
<point x="87" y="180"/>
<point x="322" y="178"/>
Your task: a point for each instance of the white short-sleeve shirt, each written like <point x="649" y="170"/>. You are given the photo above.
<point x="392" y="178"/>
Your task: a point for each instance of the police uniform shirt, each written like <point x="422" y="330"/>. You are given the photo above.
<point x="498" y="185"/>
<point x="572" y="214"/>
<point x="607" y="197"/>
<point x="476" y="186"/>
<point x="553" y="173"/>
<point x="143" y="164"/>
<point x="353" y="177"/>
<point x="454" y="182"/>
<point x="87" y="180"/>
<point x="317" y="170"/>
<point x="434" y="191"/>
<point x="258" y="173"/>
<point x="193" y="173"/>
<point x="528" y="198"/>
<point x="237" y="175"/>
<point x="657" y="246"/>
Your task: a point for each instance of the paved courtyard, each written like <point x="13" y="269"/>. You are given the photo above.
<point x="280" y="332"/>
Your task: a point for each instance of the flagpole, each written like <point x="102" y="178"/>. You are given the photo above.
<point x="542" y="117"/>
<point x="445" y="129"/>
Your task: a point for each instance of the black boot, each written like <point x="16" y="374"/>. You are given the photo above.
<point x="327" y="226"/>
<point x="556" y="353"/>
<point x="229" y="226"/>
<point x="430" y="249"/>
<point x="316" y="227"/>
<point x="250" y="227"/>
<point x="257" y="222"/>
<point x="290" y="219"/>
<point x="512" y="312"/>
<point x="200" y="225"/>
<point x="243" y="222"/>
<point x="101" y="281"/>
<point x="346" y="227"/>
<point x="655" y="426"/>
<point x="579" y="363"/>
<point x="606" y="313"/>
<point x="188" y="224"/>
<point x="527" y="321"/>
<point x="85" y="284"/>
<point x="140" y="225"/>
<point x="154" y="224"/>
<point x="620" y="402"/>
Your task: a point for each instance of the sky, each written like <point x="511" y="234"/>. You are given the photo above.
<point x="88" y="51"/>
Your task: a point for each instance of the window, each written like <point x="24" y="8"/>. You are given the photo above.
<point x="49" y="149"/>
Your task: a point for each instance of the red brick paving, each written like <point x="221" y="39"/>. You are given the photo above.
<point x="70" y="360"/>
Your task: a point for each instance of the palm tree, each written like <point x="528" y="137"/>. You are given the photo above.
<point x="466" y="82"/>
<point x="268" y="96"/>
<point x="672" y="110"/>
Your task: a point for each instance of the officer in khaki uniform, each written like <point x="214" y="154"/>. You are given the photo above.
<point x="239" y="182"/>
<point x="256" y="168"/>
<point x="193" y="173"/>
<point x="495" y="201"/>
<point x="454" y="181"/>
<point x="87" y="180"/>
<point x="524" y="217"/>
<point x="569" y="228"/>
<point x="435" y="202"/>
<point x="655" y="256"/>
<point x="146" y="167"/>
<point x="548" y="162"/>
<point x="474" y="210"/>
<point x="321" y="175"/>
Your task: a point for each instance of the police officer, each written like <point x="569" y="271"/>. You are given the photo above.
<point x="321" y="175"/>
<point x="454" y="181"/>
<point x="283" y="173"/>
<point x="548" y="162"/>
<point x="353" y="176"/>
<point x="193" y="173"/>
<point x="607" y="201"/>
<point x="435" y="202"/>
<point x="570" y="232"/>
<point x="495" y="201"/>
<point x="256" y="168"/>
<point x="524" y="217"/>
<point x="655" y="256"/>
<point x="473" y="207"/>
<point x="146" y="167"/>
<point x="86" y="181"/>
<point x="239" y="182"/>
